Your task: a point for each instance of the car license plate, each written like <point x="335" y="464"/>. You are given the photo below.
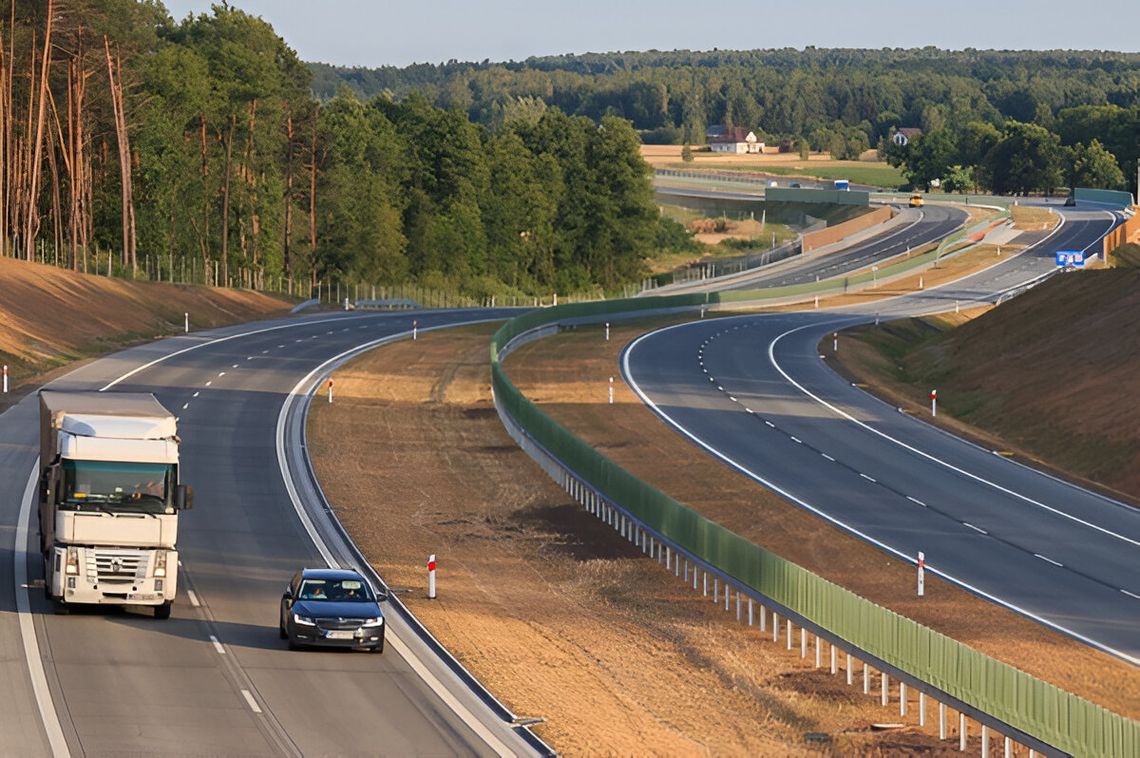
<point x="339" y="635"/>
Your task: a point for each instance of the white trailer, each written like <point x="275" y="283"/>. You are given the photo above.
<point x="109" y="499"/>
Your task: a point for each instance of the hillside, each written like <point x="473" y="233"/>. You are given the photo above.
<point x="1052" y="373"/>
<point x="53" y="316"/>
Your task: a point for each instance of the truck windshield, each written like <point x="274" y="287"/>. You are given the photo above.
<point x="116" y="486"/>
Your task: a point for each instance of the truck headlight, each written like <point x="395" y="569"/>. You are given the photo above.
<point x="72" y="560"/>
<point x="374" y="622"/>
<point x="303" y="620"/>
<point x="160" y="563"/>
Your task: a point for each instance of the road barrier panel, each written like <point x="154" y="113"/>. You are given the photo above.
<point x="1039" y="715"/>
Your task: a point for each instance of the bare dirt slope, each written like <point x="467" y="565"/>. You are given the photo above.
<point x="53" y="316"/>
<point x="558" y="615"/>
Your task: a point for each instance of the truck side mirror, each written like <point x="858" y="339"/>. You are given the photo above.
<point x="183" y="497"/>
<point x="49" y="483"/>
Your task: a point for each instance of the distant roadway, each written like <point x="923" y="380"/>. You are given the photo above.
<point x="1046" y="548"/>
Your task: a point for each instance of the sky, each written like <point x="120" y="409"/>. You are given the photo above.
<point x="376" y="33"/>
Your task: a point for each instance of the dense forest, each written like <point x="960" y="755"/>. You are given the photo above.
<point x="195" y="150"/>
<point x="840" y="101"/>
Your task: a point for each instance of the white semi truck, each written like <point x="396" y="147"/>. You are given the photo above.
<point x="110" y="499"/>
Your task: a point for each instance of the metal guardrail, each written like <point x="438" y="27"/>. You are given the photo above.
<point x="1020" y="706"/>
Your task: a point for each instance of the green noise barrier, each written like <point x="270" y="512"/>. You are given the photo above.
<point x="1056" y="717"/>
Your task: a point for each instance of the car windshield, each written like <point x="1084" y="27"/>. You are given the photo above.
<point x="335" y="590"/>
<point x="117" y="486"/>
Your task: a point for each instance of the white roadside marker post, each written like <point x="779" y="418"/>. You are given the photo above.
<point x="186" y="322"/>
<point x="607" y="331"/>
<point x="934" y="402"/>
<point x="611" y="390"/>
<point x="5" y="379"/>
<point x="415" y="328"/>
<point x="835" y="342"/>
<point x="921" y="573"/>
<point x="330" y="390"/>
<point x="431" y="576"/>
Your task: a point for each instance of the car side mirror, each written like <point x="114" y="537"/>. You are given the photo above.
<point x="183" y="497"/>
<point x="288" y="593"/>
<point x="381" y="594"/>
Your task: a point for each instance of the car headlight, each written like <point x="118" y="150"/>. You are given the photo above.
<point x="374" y="622"/>
<point x="304" y="620"/>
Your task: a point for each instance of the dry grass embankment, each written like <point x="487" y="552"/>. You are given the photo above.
<point x="53" y="317"/>
<point x="558" y="615"/>
<point x="1029" y="218"/>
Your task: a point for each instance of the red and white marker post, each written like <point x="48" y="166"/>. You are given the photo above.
<point x="921" y="573"/>
<point x="431" y="576"/>
<point x="415" y="328"/>
<point x="330" y="390"/>
<point x="5" y="379"/>
<point x="934" y="402"/>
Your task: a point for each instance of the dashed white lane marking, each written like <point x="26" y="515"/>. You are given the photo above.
<point x="750" y="410"/>
<point x="769" y="423"/>
<point x="234" y="366"/>
<point x="797" y="440"/>
<point x="193" y="598"/>
<point x="976" y="529"/>
<point x="217" y="645"/>
<point x="730" y="397"/>
<point x="280" y="346"/>
<point x="828" y="457"/>
<point x="196" y="394"/>
<point x="720" y="388"/>
<point x="297" y="340"/>
<point x="869" y="479"/>
<point x="916" y="500"/>
<point x="185" y="406"/>
<point x="253" y="706"/>
<point x="209" y="382"/>
<point x="1130" y="594"/>
<point x="221" y="373"/>
<point x="263" y="352"/>
<point x="249" y="357"/>
<point x="1047" y="560"/>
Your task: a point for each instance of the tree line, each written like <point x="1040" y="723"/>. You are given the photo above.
<point x="134" y="144"/>
<point x="837" y="100"/>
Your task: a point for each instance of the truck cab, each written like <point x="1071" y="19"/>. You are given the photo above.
<point x="110" y="498"/>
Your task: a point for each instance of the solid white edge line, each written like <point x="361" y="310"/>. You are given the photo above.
<point x="253" y="706"/>
<point x="217" y="645"/>
<point x="1130" y="594"/>
<point x="921" y="453"/>
<point x="1134" y="660"/>
<point x="424" y="673"/>
<point x="40" y="689"/>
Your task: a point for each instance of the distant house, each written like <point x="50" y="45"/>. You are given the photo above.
<point x="734" y="139"/>
<point x="903" y="136"/>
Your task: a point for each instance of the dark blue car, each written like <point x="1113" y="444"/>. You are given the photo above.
<point x="332" y="608"/>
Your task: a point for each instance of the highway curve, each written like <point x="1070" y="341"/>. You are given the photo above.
<point x="754" y="391"/>
<point x="215" y="678"/>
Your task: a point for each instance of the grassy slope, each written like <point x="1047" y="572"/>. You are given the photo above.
<point x="1053" y="372"/>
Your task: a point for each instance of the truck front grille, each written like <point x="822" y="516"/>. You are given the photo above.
<point x="115" y="566"/>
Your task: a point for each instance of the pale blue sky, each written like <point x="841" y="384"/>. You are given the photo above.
<point x="378" y="32"/>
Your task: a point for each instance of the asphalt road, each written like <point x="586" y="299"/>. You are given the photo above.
<point x="215" y="678"/>
<point x="1053" y="551"/>
<point x="930" y="224"/>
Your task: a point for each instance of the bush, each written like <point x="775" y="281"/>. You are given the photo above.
<point x="1125" y="256"/>
<point x="662" y="135"/>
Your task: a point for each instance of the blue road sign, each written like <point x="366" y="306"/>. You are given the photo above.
<point x="1070" y="259"/>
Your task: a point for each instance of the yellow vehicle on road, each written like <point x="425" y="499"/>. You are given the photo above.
<point x="916" y="201"/>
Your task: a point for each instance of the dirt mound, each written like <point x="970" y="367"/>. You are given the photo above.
<point x="53" y="316"/>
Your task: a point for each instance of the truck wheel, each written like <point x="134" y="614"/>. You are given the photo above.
<point x="162" y="612"/>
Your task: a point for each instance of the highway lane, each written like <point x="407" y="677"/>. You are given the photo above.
<point x="931" y="224"/>
<point x="123" y="682"/>
<point x="1053" y="551"/>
